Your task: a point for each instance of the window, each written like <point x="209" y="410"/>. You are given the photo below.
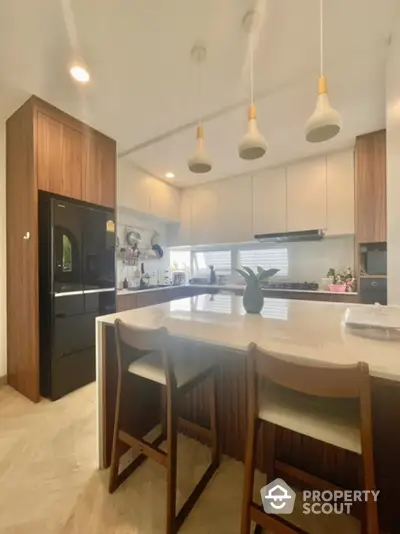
<point x="179" y="260"/>
<point x="221" y="259"/>
<point x="67" y="254"/>
<point x="271" y="258"/>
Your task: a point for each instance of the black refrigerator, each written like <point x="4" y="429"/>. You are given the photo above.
<point x="76" y="285"/>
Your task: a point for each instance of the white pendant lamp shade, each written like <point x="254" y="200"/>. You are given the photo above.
<point x="200" y="162"/>
<point x="325" y="122"/>
<point x="253" y="145"/>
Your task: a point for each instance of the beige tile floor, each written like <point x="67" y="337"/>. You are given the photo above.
<point x="49" y="483"/>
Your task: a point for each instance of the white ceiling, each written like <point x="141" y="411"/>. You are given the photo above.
<point x="143" y="88"/>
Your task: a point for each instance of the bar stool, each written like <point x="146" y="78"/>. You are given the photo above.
<point x="143" y="352"/>
<point x="331" y="404"/>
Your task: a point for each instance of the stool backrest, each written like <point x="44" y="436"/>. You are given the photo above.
<point x="134" y="342"/>
<point x="303" y="376"/>
<point x="328" y="381"/>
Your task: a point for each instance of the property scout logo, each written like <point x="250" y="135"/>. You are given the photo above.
<point x="279" y="498"/>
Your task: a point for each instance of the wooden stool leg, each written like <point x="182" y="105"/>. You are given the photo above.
<point x="369" y="522"/>
<point x="249" y="475"/>
<point x="163" y="411"/>
<point x="271" y="440"/>
<point x="172" y="445"/>
<point x="116" y="445"/>
<point x="216" y="449"/>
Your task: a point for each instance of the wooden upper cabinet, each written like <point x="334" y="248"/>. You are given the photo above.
<point x="73" y="159"/>
<point x="98" y="184"/>
<point x="306" y="195"/>
<point x="370" y="164"/>
<point x="60" y="156"/>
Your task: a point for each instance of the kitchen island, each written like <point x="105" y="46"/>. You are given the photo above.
<point x="218" y="328"/>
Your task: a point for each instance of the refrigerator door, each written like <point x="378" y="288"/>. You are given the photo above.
<point x="98" y="250"/>
<point x="67" y="246"/>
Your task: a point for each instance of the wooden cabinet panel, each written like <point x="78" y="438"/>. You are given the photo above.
<point x="306" y="195"/>
<point x="370" y="165"/>
<point x="205" y="218"/>
<point x="61" y="157"/>
<point x="340" y="193"/>
<point x="99" y="180"/>
<point x="235" y="211"/>
<point x="269" y="201"/>
<point x="22" y="256"/>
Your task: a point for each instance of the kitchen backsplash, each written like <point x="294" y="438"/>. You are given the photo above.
<point x="310" y="261"/>
<point x="147" y="227"/>
<point x="298" y="262"/>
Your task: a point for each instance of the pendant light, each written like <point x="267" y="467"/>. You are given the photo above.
<point x="200" y="162"/>
<point x="325" y="122"/>
<point x="253" y="144"/>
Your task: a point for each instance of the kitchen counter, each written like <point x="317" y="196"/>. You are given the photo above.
<point x="242" y="287"/>
<point x="216" y="327"/>
<point x="137" y="290"/>
<point x="233" y="287"/>
<point x="299" y="328"/>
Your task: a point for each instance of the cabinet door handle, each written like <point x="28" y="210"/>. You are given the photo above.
<point x="27" y="236"/>
<point x="374" y="284"/>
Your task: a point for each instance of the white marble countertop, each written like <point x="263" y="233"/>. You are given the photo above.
<point x="228" y="287"/>
<point x="298" y="328"/>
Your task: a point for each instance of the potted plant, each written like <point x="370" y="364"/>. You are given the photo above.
<point x="341" y="280"/>
<point x="253" y="298"/>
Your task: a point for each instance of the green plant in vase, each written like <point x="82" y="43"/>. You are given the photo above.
<point x="253" y="298"/>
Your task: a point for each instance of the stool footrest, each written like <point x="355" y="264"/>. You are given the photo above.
<point x="304" y="477"/>
<point x="149" y="449"/>
<point x="137" y="462"/>
<point x="276" y="524"/>
<point x="194" y="428"/>
<point x="197" y="491"/>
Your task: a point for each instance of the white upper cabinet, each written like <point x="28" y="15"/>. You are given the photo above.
<point x="306" y="195"/>
<point x="235" y="210"/>
<point x="340" y="193"/>
<point x="145" y="194"/>
<point x="164" y="200"/>
<point x="133" y="188"/>
<point x="269" y="202"/>
<point x="204" y="215"/>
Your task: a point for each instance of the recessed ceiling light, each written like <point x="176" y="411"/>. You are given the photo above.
<point x="170" y="175"/>
<point x="79" y="73"/>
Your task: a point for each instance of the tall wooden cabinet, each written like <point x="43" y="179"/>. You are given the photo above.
<point x="49" y="150"/>
<point x="370" y="166"/>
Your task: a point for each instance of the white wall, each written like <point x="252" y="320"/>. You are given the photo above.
<point x="3" y="325"/>
<point x="393" y="163"/>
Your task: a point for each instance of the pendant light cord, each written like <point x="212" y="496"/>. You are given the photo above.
<point x="321" y="36"/>
<point x="200" y="117"/>
<point x="251" y="70"/>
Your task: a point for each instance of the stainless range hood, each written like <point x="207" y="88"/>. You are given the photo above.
<point x="287" y="237"/>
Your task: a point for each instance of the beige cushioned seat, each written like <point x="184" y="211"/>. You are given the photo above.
<point x="334" y="421"/>
<point x="151" y="367"/>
